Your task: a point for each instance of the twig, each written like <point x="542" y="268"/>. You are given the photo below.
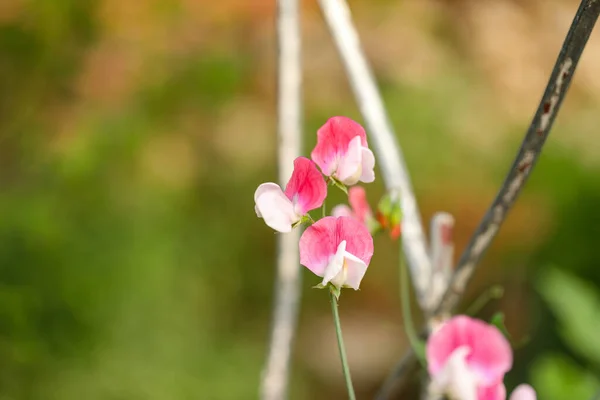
<point x="555" y="91"/>
<point x="287" y="286"/>
<point x="536" y="135"/>
<point x="407" y="364"/>
<point x="442" y="253"/>
<point x="389" y="156"/>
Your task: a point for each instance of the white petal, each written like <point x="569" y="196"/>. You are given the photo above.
<point x="456" y="378"/>
<point x="349" y="167"/>
<point x="341" y="210"/>
<point x="274" y="207"/>
<point x="367" y="165"/>
<point x="355" y="270"/>
<point x="334" y="268"/>
<point x="523" y="392"/>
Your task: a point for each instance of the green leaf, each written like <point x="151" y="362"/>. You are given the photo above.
<point x="556" y="378"/>
<point x="340" y="185"/>
<point x="498" y="321"/>
<point x="576" y="305"/>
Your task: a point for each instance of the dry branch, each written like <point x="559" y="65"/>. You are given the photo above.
<point x="530" y="149"/>
<point x="528" y="154"/>
<point x="289" y="129"/>
<point x="388" y="152"/>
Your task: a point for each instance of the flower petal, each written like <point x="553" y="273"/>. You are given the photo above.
<point x="341" y="210"/>
<point x="492" y="392"/>
<point x="318" y="244"/>
<point x="355" y="270"/>
<point x="333" y="139"/>
<point x="335" y="271"/>
<point x="359" y="241"/>
<point x="357" y="197"/>
<point x="274" y="207"/>
<point x="349" y="167"/>
<point x="523" y="392"/>
<point x="455" y="378"/>
<point x="368" y="165"/>
<point x="490" y="356"/>
<point x="306" y="187"/>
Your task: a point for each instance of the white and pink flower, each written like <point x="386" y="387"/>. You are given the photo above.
<point x="359" y="206"/>
<point x="342" y="151"/>
<point x="305" y="191"/>
<point x="467" y="360"/>
<point x="338" y="250"/>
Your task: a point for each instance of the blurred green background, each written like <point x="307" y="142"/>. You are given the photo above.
<point x="134" y="133"/>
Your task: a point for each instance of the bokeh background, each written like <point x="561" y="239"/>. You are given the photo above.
<point x="133" y="135"/>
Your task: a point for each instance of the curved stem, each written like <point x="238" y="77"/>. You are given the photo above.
<point x="340" y="340"/>
<point x="409" y="328"/>
<point x="493" y="293"/>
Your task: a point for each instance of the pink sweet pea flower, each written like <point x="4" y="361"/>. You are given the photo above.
<point x="467" y="359"/>
<point x="338" y="250"/>
<point x="357" y="197"/>
<point x="342" y="151"/>
<point x="305" y="191"/>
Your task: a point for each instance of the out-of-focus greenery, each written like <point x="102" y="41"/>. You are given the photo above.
<point x="133" y="135"/>
<point x="577" y="308"/>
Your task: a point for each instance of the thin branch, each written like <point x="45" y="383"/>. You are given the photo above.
<point x="536" y="135"/>
<point x="389" y="156"/>
<point x="442" y="253"/>
<point x="287" y="286"/>
<point x="402" y="370"/>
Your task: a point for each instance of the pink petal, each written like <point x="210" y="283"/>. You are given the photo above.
<point x="523" y="392"/>
<point x="368" y="165"/>
<point x="492" y="392"/>
<point x="318" y="244"/>
<point x="333" y="139"/>
<point x="341" y="210"/>
<point x="359" y="241"/>
<point x="357" y="197"/>
<point x="321" y="241"/>
<point x="274" y="207"/>
<point x="350" y="163"/>
<point x="490" y="356"/>
<point x="306" y="187"/>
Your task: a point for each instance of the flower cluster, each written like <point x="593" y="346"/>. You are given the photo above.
<point x="337" y="248"/>
<point x="467" y="360"/>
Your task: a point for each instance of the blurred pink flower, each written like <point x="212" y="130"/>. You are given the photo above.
<point x="357" y="197"/>
<point x="338" y="250"/>
<point x="467" y="359"/>
<point x="305" y="191"/>
<point x="342" y="151"/>
<point x="523" y="392"/>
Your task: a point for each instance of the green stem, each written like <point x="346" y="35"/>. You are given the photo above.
<point x="493" y="293"/>
<point x="324" y="209"/>
<point x="409" y="328"/>
<point x="340" y="339"/>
